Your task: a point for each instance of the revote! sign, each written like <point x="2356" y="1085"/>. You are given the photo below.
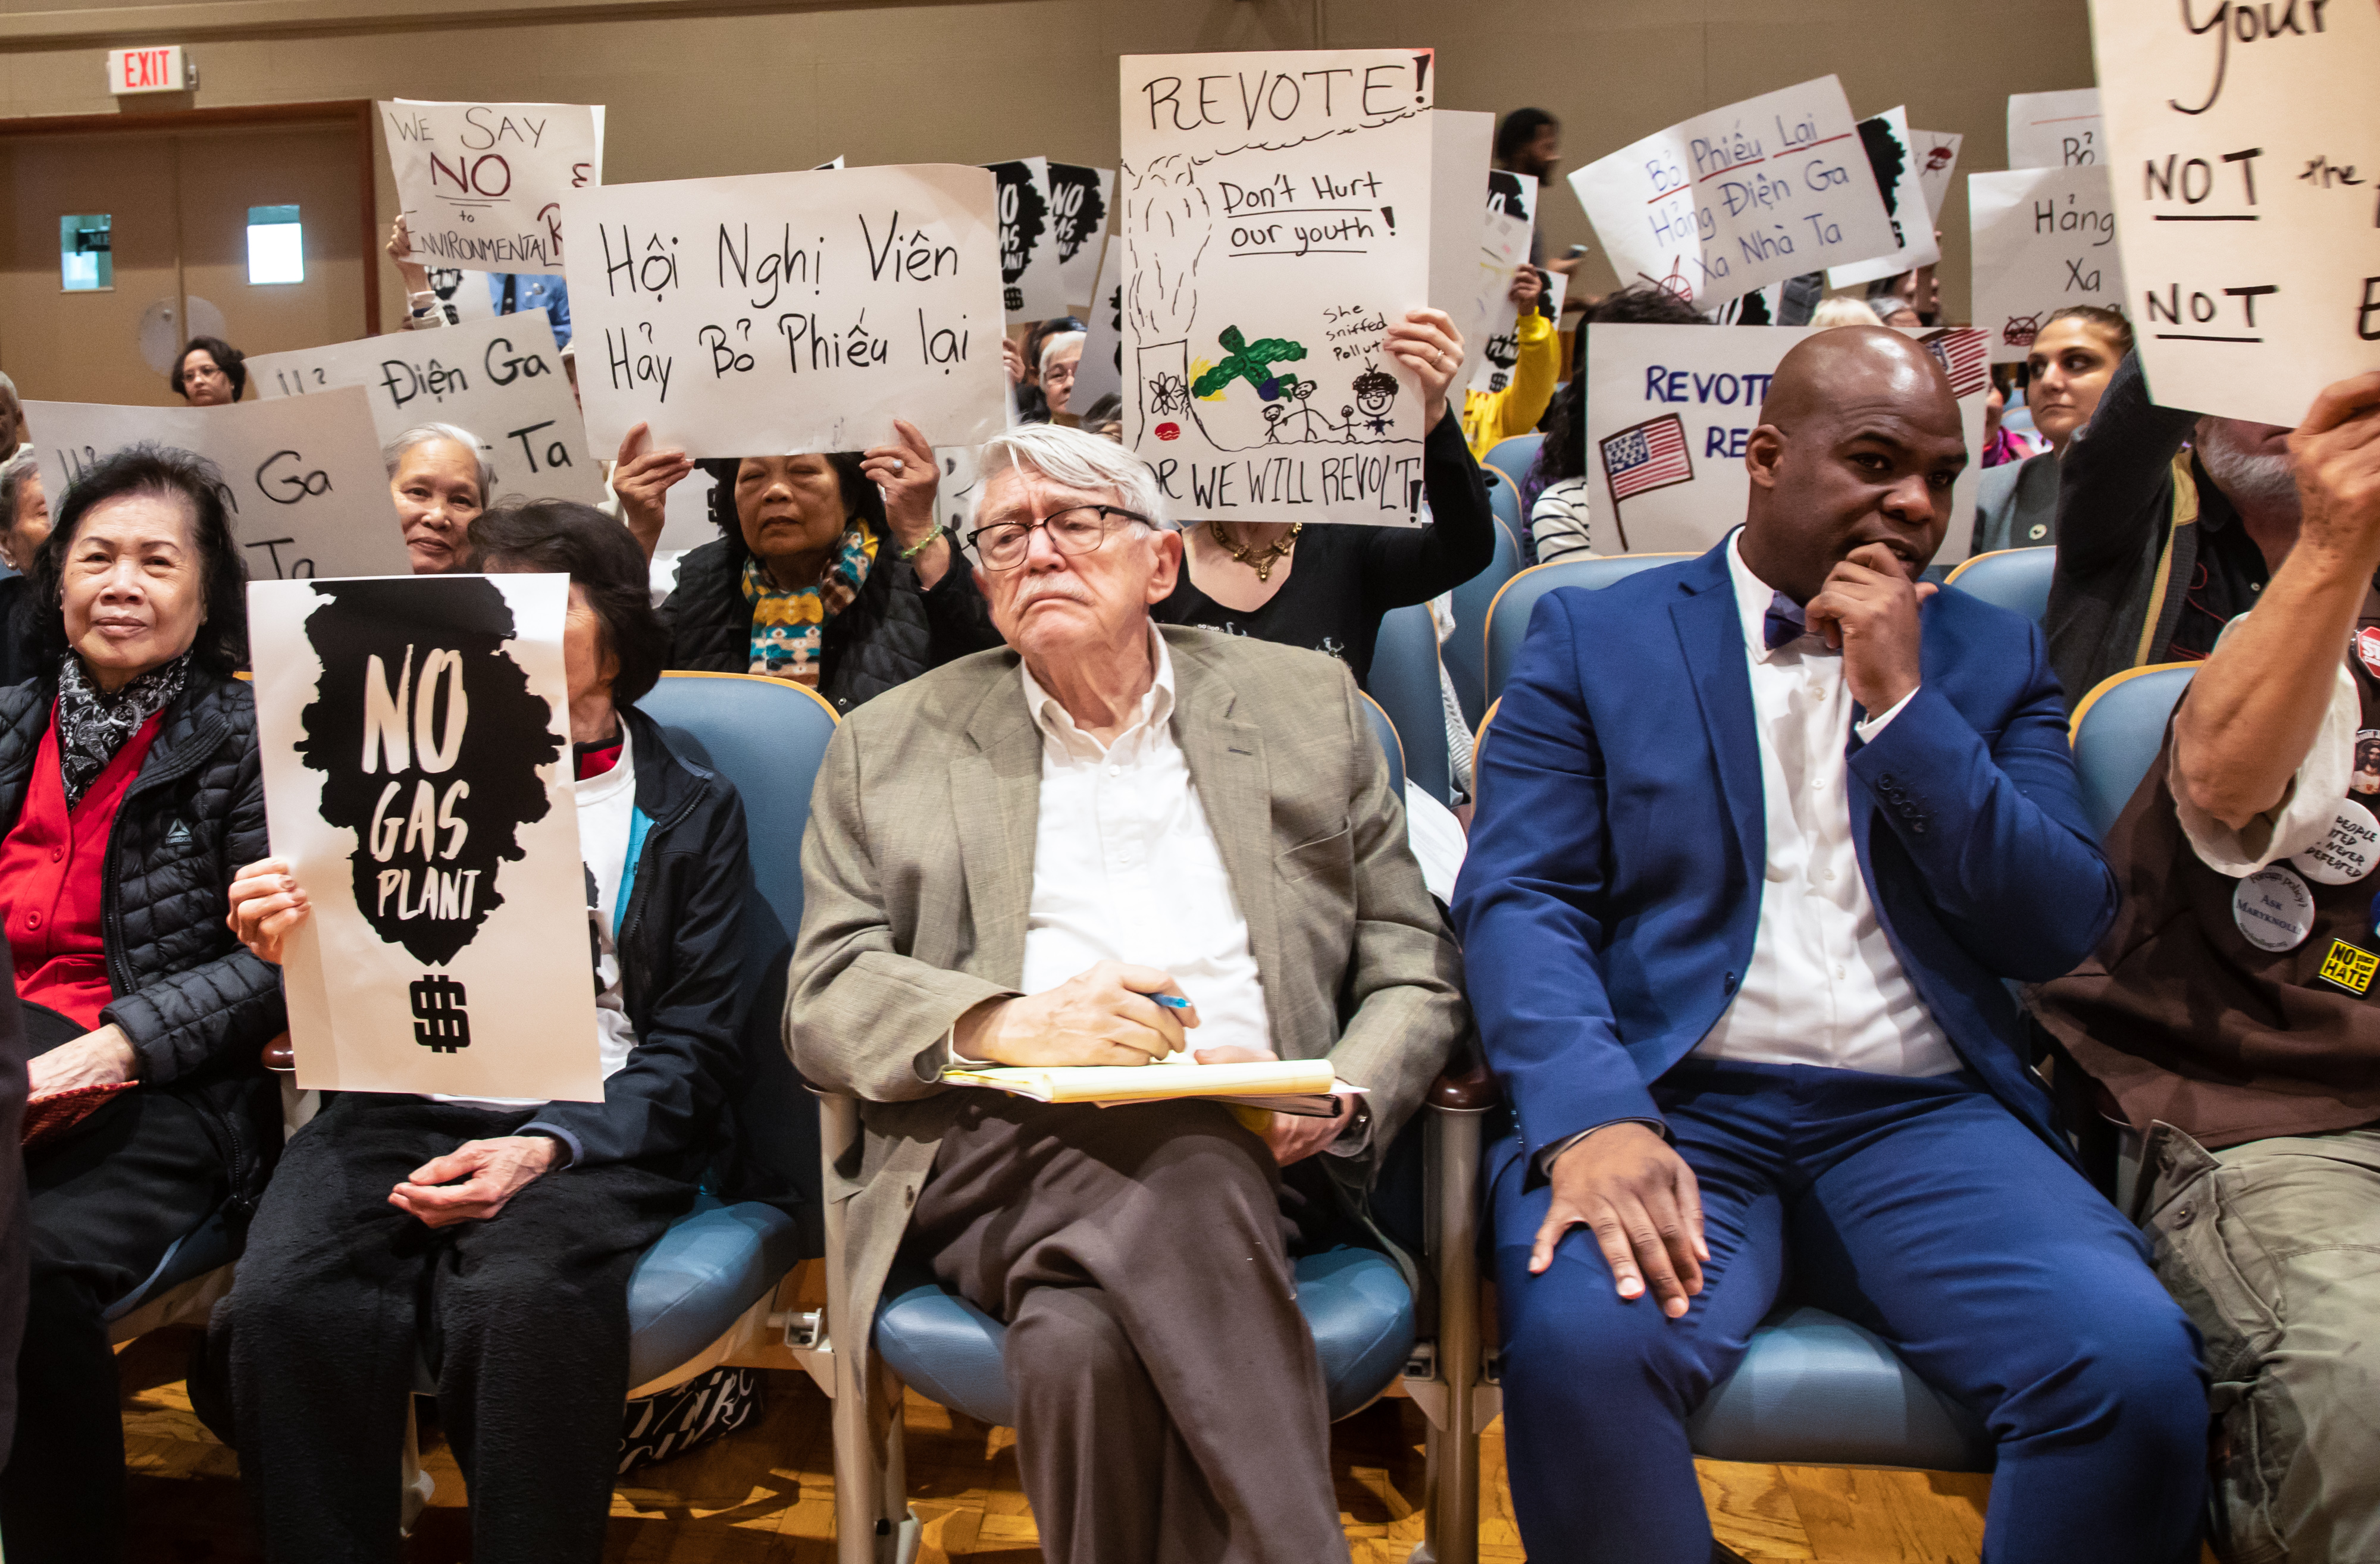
<point x="1730" y="201"/>
<point x="502" y="380"/>
<point x="482" y="184"/>
<point x="776" y="313"/>
<point x="308" y="490"/>
<point x="1276" y="219"/>
<point x="2244" y="142"/>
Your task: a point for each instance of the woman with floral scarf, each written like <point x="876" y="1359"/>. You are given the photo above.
<point x="832" y="572"/>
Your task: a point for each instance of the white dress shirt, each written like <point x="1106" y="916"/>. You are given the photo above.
<point x="1125" y="867"/>
<point x="1824" y="986"/>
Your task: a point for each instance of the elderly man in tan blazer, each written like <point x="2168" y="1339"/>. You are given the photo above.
<point x="1006" y="859"/>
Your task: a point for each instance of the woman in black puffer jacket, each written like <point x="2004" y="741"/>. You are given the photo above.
<point x="130" y="792"/>
<point x="820" y="579"/>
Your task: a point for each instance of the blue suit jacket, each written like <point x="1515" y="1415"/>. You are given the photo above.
<point x="1612" y="888"/>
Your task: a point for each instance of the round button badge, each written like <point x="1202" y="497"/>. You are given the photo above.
<point x="2348" y="853"/>
<point x="2273" y="909"/>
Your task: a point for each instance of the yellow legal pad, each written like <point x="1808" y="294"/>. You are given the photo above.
<point x="1288" y="1085"/>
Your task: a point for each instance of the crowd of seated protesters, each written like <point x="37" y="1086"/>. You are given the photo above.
<point x="131" y="791"/>
<point x="1556" y="495"/>
<point x="340" y="1291"/>
<point x="1328" y="588"/>
<point x="2067" y="371"/>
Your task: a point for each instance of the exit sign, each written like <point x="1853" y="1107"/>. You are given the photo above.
<point x="149" y="70"/>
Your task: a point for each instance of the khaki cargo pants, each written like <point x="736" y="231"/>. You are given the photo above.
<point x="2273" y="1249"/>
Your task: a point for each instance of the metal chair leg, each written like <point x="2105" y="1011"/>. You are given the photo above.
<point x="873" y="1522"/>
<point x="415" y="1484"/>
<point x="1464" y="1401"/>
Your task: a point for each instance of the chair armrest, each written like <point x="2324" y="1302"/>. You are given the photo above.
<point x="277" y="1054"/>
<point x="1467" y="1087"/>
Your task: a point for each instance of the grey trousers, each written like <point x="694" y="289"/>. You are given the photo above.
<point x="1170" y="1406"/>
<point x="2273" y="1249"/>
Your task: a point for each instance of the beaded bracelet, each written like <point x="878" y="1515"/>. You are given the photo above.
<point x="921" y="545"/>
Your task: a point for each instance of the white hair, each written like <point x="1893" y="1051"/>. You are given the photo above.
<point x="1058" y="340"/>
<point x="1844" y="311"/>
<point x="1077" y="459"/>
<point x="422" y="434"/>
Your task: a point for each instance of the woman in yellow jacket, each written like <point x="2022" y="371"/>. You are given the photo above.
<point x="1488" y="417"/>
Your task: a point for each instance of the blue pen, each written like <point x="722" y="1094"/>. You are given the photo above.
<point x="1172" y="1001"/>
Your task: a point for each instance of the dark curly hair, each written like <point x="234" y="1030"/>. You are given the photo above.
<point x="221" y="646"/>
<point x="563" y="538"/>
<point x="861" y="498"/>
<point x="1562" y="454"/>
<point x="1375" y="383"/>
<point x="229" y="359"/>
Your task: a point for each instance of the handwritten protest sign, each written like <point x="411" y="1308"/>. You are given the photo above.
<point x="1492" y="345"/>
<point x="2245" y="148"/>
<point x="1101" y="374"/>
<point x="481" y="185"/>
<point x="1731" y="201"/>
<point x="1892" y="158"/>
<point x="787" y="312"/>
<point x="414" y="753"/>
<point x="2054" y="129"/>
<point x="308" y="492"/>
<point x="502" y="380"/>
<point x="2045" y="238"/>
<point x="1031" y="286"/>
<point x="1937" y="152"/>
<point x="1669" y="410"/>
<point x="1276" y="218"/>
<point x="1079" y="199"/>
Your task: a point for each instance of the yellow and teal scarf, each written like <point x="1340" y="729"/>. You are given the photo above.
<point x="789" y="627"/>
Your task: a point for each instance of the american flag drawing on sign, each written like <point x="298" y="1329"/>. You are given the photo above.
<point x="1965" y="355"/>
<point x="1645" y="456"/>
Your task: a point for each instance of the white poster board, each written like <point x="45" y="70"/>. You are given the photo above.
<point x="1079" y="199"/>
<point x="2045" y="238"/>
<point x="1937" y="155"/>
<point x="416" y="742"/>
<point x="779" y="313"/>
<point x="2245" y="164"/>
<point x="502" y="380"/>
<point x="1729" y="201"/>
<point x="1892" y="157"/>
<point x="2054" y="129"/>
<point x="1669" y="410"/>
<point x="1276" y="218"/>
<point x="1101" y="374"/>
<point x="481" y="185"/>
<point x="308" y="491"/>
<point x="1031" y="286"/>
<point x="1492" y="346"/>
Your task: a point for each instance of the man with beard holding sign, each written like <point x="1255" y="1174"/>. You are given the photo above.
<point x="1744" y="989"/>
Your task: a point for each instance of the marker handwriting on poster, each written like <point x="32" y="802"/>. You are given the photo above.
<point x="1276" y="218"/>
<point x="791" y="311"/>
<point x="2242" y="141"/>
<point x="1729" y="201"/>
<point x="501" y="380"/>
<point x="2045" y="238"/>
<point x="482" y="184"/>
<point x="2056" y="129"/>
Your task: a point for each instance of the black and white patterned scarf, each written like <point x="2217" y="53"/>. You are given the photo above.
<point x="93" y="727"/>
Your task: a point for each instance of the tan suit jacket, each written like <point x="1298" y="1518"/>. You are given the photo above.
<point x="917" y="876"/>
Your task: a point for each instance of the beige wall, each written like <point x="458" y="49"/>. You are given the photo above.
<point x="704" y="90"/>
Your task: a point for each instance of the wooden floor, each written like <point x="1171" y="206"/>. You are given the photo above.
<point x="765" y="1494"/>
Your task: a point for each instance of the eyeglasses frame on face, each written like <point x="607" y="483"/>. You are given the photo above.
<point x="1107" y="530"/>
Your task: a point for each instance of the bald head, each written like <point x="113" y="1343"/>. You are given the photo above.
<point x="1829" y="370"/>
<point x="1859" y="444"/>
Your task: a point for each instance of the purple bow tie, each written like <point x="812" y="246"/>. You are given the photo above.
<point x="1784" y="623"/>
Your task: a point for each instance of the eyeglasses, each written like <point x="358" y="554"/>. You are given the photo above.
<point x="1062" y="371"/>
<point x="1077" y="530"/>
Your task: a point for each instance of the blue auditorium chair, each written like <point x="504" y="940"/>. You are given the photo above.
<point x="1506" y="623"/>
<point x="2116" y="732"/>
<point x="1504" y="499"/>
<point x="1405" y="682"/>
<point x="1461" y="651"/>
<point x="1368" y="1330"/>
<point x="1515" y="456"/>
<point x="705" y="1293"/>
<point x="1392" y="745"/>
<point x="2014" y="578"/>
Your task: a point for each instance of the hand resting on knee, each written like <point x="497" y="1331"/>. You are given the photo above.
<point x="1638" y="1196"/>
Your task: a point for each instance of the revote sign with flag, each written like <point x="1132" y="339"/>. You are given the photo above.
<point x="1650" y="455"/>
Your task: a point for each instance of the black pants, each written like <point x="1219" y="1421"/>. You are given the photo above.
<point x="523" y="1318"/>
<point x="1170" y="1406"/>
<point x="106" y="1202"/>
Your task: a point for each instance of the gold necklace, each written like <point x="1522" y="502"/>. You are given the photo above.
<point x="1261" y="564"/>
